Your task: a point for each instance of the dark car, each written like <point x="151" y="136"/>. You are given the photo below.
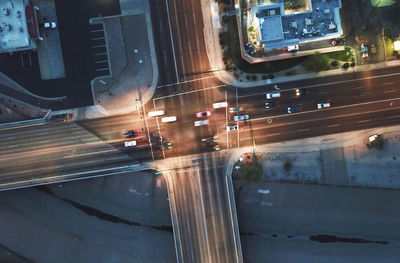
<point x="271" y="104"/>
<point x="130" y="134"/>
<point x="293" y="109"/>
<point x="208" y="140"/>
<point x="166" y="145"/>
<point x="305" y="91"/>
<point x="213" y="148"/>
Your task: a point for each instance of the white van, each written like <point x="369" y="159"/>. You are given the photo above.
<point x="156" y="113"/>
<point x="169" y="119"/>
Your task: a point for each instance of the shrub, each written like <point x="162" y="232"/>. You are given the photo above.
<point x="317" y="62"/>
<point x="250" y="172"/>
<point x="287" y="165"/>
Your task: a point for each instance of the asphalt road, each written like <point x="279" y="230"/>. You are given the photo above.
<point x="200" y="209"/>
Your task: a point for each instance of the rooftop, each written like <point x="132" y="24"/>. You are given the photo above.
<point x="280" y="28"/>
<point x="14" y="31"/>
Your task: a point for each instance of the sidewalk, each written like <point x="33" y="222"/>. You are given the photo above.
<point x="214" y="53"/>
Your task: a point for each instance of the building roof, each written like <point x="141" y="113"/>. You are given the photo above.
<point x="278" y="29"/>
<point x="14" y="33"/>
<point x="271" y="28"/>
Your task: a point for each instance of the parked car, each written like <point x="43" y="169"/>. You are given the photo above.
<point x="203" y="114"/>
<point x="323" y="105"/>
<point x="273" y="95"/>
<point x="201" y="123"/>
<point x="235" y="109"/>
<point x="241" y="117"/>
<point x="294" y="109"/>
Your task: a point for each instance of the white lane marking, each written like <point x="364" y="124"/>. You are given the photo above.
<point x="187" y="81"/>
<point x="333" y="125"/>
<point x="357" y="88"/>
<point x="268" y="135"/>
<point x="172" y="41"/>
<point x="263" y="203"/>
<point x="84" y="154"/>
<point x="303" y="130"/>
<point x="250" y="95"/>
<point x="187" y="92"/>
<point x="392" y="117"/>
<point x="274" y="134"/>
<point x="363" y="121"/>
<point x="388" y="83"/>
<point x="389" y="91"/>
<point x="330" y="109"/>
<point x="357" y="96"/>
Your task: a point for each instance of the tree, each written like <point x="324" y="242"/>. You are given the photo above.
<point x="250" y="172"/>
<point x="317" y="62"/>
<point x="377" y="143"/>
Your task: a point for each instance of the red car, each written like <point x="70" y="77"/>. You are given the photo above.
<point x="203" y="114"/>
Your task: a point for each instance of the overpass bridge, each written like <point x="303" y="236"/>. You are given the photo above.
<point x="202" y="208"/>
<point x="57" y="152"/>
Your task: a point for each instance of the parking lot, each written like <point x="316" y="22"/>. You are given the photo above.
<point x="79" y="45"/>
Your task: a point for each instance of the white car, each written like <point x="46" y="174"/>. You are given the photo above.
<point x="241" y="117"/>
<point x="130" y="144"/>
<point x="50" y="25"/>
<point x="169" y="119"/>
<point x="293" y="48"/>
<point x="273" y="95"/>
<point x="222" y="104"/>
<point x="231" y="127"/>
<point x="201" y="123"/>
<point x="156" y="113"/>
<point x="323" y="105"/>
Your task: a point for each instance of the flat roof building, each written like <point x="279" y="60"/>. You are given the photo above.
<point x="18" y="26"/>
<point x="278" y="29"/>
